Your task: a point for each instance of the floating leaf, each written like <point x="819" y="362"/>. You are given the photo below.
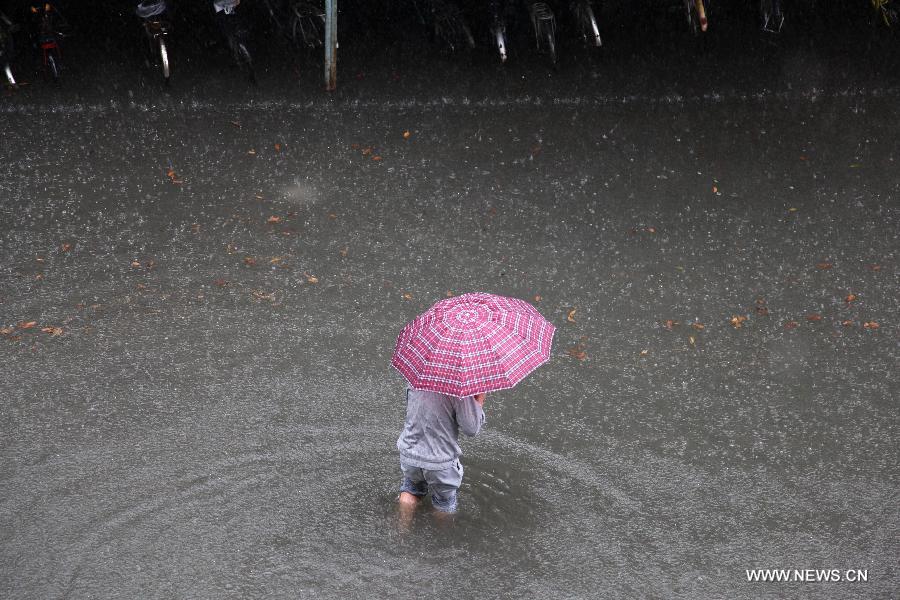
<point x="791" y="325"/>
<point x="65" y="247"/>
<point x="871" y="325"/>
<point x="407" y="296"/>
<point x="571" y="316"/>
<point x="847" y="323"/>
<point x="311" y="278"/>
<point x="537" y="298"/>
<point x="6" y="330"/>
<point x="691" y="340"/>
<point x="261" y="295"/>
<point x="344" y="251"/>
<point x="814" y="317"/>
<point x="27" y="325"/>
<point x="669" y="324"/>
<point x="195" y="227"/>
<point x="737" y="321"/>
<point x="449" y="294"/>
<point x="874" y="267"/>
<point x="824" y="266"/>
<point x="698" y="326"/>
<point x="251" y="152"/>
<point x="53" y="331"/>
<point x="135" y="264"/>
<point x="277" y="147"/>
<point x="273" y="219"/>
<point x="220" y="282"/>
<point x="577" y="351"/>
<point x="850" y="298"/>
<point x="376" y="157"/>
<point x="406" y="135"/>
<point x="249" y="261"/>
<point x="645" y="352"/>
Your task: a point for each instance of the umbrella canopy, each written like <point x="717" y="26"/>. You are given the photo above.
<point x="472" y="344"/>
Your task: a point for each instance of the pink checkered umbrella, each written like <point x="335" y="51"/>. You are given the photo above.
<point x="472" y="344"/>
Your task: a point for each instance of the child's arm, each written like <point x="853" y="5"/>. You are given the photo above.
<point x="470" y="414"/>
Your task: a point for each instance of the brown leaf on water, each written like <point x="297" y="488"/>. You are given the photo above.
<point x="40" y="259"/>
<point x="814" y="317"/>
<point x="236" y="124"/>
<point x="669" y="324"/>
<point x="249" y="261"/>
<point x="651" y="230"/>
<point x="406" y="135"/>
<point x="791" y="325"/>
<point x="577" y="351"/>
<point x="39" y="277"/>
<point x="344" y="251"/>
<point x="354" y="146"/>
<point x="737" y="321"/>
<point x="762" y="311"/>
<point x="850" y="298"/>
<point x="27" y="324"/>
<point x="698" y="326"/>
<point x="874" y="267"/>
<point x="65" y="247"/>
<point x="367" y="151"/>
<point x="537" y="298"/>
<point x="195" y="227"/>
<point x="311" y="278"/>
<point x="220" y="282"/>
<point x="407" y="296"/>
<point x="135" y="264"/>
<point x="376" y="157"/>
<point x="251" y="152"/>
<point x="261" y="295"/>
<point x="571" y="316"/>
<point x="276" y="260"/>
<point x="847" y="323"/>
<point x="277" y="147"/>
<point x="53" y="331"/>
<point x="871" y="325"/>
<point x="332" y="216"/>
<point x="273" y="219"/>
<point x="6" y="330"/>
<point x="824" y="266"/>
<point x="645" y="352"/>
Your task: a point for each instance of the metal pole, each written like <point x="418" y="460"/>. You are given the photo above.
<point x="330" y="45"/>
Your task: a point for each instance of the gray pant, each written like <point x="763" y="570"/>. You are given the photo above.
<point x="443" y="484"/>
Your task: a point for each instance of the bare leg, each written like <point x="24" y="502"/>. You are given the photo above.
<point x="406" y="505"/>
<point x="407" y="499"/>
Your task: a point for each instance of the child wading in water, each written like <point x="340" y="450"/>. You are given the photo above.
<point x="429" y="446"/>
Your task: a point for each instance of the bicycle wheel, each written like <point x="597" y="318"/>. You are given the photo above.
<point x="550" y="36"/>
<point x="245" y="61"/>
<point x="164" y="60"/>
<point x="53" y="64"/>
<point x="500" y="42"/>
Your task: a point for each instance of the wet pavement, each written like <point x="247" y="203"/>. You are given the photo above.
<point x="200" y="290"/>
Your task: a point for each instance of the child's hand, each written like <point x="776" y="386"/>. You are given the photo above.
<point x="479" y="398"/>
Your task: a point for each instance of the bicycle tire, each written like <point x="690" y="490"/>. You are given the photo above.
<point x="594" y="27"/>
<point x="164" y="60"/>
<point x="246" y="61"/>
<point x="551" y="44"/>
<point x="53" y="65"/>
<point x="500" y="42"/>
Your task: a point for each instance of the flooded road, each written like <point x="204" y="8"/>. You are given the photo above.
<point x="200" y="291"/>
